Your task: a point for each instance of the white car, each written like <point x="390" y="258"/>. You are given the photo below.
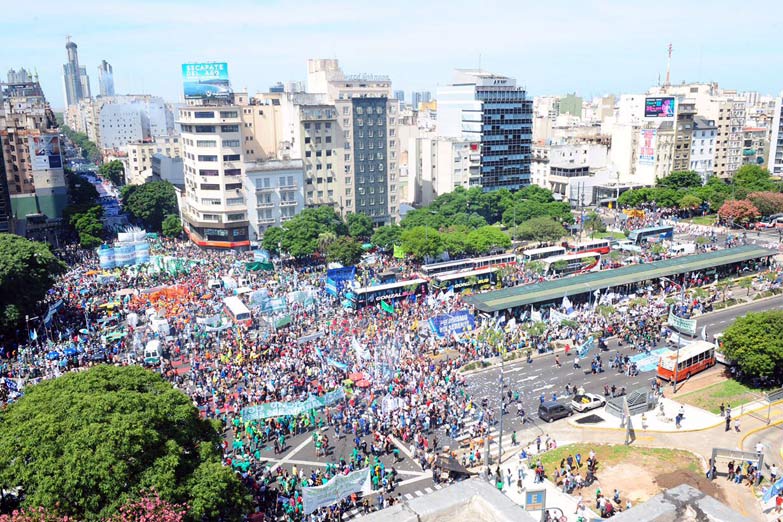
<point x="587" y="401"/>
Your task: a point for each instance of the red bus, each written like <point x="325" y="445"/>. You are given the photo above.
<point x="602" y="246"/>
<point x="693" y="358"/>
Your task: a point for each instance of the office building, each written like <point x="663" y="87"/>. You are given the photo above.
<point x="212" y="205"/>
<point x="571" y="104"/>
<point x="703" y="147"/>
<point x="490" y="109"/>
<point x="76" y="81"/>
<point x="419" y="97"/>
<point x="106" y="78"/>
<point x="274" y="192"/>
<point x="775" y="162"/>
<point x="20" y="76"/>
<point x="138" y="157"/>
<point x="399" y="95"/>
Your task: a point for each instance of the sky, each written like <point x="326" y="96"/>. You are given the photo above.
<point x="591" y="47"/>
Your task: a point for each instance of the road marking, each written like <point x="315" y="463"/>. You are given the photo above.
<point x="603" y="378"/>
<point x="402" y="448"/>
<point x="291" y="454"/>
<point x="721" y="322"/>
<point x="543" y="387"/>
<point x="514" y="370"/>
<point x="438" y="486"/>
<point x="408" y="496"/>
<point x="419" y="493"/>
<point x="428" y="490"/>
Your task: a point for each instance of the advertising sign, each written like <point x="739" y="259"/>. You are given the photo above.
<point x="205" y="80"/>
<point x="535" y="500"/>
<point x="647" y="146"/>
<point x="45" y="152"/>
<point x="659" y="107"/>
<point x="453" y="323"/>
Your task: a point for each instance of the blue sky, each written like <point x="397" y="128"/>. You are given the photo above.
<point x="554" y="47"/>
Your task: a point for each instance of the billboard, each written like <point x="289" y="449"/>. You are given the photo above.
<point x="647" y="146"/>
<point x="45" y="152"/>
<point x="205" y="80"/>
<point x="659" y="107"/>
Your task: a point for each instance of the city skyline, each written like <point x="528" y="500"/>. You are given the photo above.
<point x="592" y="53"/>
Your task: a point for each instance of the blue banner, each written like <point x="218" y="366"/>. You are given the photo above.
<point x="333" y="287"/>
<point x="261" y="256"/>
<point x="453" y="323"/>
<point x="346" y="273"/>
<point x="586" y="346"/>
<point x="337" y="364"/>
<point x="281" y="409"/>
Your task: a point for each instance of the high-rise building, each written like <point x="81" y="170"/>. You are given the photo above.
<point x="419" y="97"/>
<point x="20" y="76"/>
<point x="399" y="95"/>
<point x="703" y="147"/>
<point x="490" y="109"/>
<point x="775" y="162"/>
<point x="77" y="83"/>
<point x="106" y="78"/>
<point x="571" y="104"/>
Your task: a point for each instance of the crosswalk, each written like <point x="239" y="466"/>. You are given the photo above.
<point x="494" y="433"/>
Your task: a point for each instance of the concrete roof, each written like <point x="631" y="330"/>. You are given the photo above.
<point x="474" y="499"/>
<point x="680" y="504"/>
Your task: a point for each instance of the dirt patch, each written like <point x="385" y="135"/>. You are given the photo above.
<point x="698" y="481"/>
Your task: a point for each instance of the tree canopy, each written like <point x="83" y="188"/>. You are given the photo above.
<point x="738" y="211"/>
<point x="299" y="236"/>
<point x="344" y="250"/>
<point x="85" y="443"/>
<point x="681" y="179"/>
<point x="150" y="203"/>
<point x="27" y="270"/>
<point x="89" y="149"/>
<point x="386" y="237"/>
<point x="755" y="343"/>
<point x="359" y="225"/>
<point x="171" y="226"/>
<point x="114" y="171"/>
<point x="542" y="229"/>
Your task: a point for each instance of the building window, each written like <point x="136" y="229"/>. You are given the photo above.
<point x="235" y="217"/>
<point x="208" y="172"/>
<point x="209" y="186"/>
<point x="231" y="157"/>
<point x="207" y="158"/>
<point x="206" y="143"/>
<point x="229" y="128"/>
<point x="233" y="186"/>
<point x="233" y="172"/>
<point x="204" y="128"/>
<point x="204" y="114"/>
<point x="228" y="114"/>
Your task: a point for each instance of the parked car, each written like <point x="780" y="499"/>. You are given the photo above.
<point x="587" y="402"/>
<point x="552" y="410"/>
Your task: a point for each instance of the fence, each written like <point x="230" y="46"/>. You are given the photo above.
<point x="639" y="401"/>
<point x="761" y="408"/>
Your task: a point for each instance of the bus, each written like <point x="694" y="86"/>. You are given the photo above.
<point x="471" y="263"/>
<point x="719" y="355"/>
<point x="572" y="264"/>
<point x="536" y="254"/>
<point x="235" y="308"/>
<point x="372" y="295"/>
<point x="693" y="358"/>
<point x="602" y="246"/>
<point x="651" y="234"/>
<point x="482" y="278"/>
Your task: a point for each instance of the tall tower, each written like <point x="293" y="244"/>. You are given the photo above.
<point x="72" y="75"/>
<point x="106" y="78"/>
<point x="668" y="67"/>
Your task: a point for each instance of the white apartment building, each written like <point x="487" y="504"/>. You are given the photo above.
<point x="556" y="166"/>
<point x="137" y="157"/>
<point x="437" y="165"/>
<point x="213" y="208"/>
<point x="775" y="162"/>
<point x="122" y="124"/>
<point x="703" y="147"/>
<point x="274" y="192"/>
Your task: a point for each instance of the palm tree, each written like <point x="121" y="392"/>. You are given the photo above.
<point x="325" y="239"/>
<point x="746" y="282"/>
<point x="723" y="286"/>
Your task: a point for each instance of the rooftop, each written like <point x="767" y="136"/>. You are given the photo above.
<point x="680" y="504"/>
<point x="549" y="291"/>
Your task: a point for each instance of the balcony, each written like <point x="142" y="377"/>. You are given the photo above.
<point x="288" y="203"/>
<point x="265" y="205"/>
<point x="265" y="189"/>
<point x="266" y="221"/>
<point x="289" y="187"/>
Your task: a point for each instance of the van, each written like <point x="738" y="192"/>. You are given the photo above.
<point x="681" y="249"/>
<point x="552" y="410"/>
<point x="153" y="352"/>
<point x="625" y="245"/>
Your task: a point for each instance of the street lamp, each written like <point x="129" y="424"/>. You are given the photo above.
<point x="679" y="338"/>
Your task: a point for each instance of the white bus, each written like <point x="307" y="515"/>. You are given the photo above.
<point x="234" y="307"/>
<point x="536" y="254"/>
<point x="572" y="264"/>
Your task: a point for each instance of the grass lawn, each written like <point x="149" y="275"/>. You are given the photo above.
<point x="709" y="219"/>
<point x="610" y="235"/>
<point x="727" y="392"/>
<point x="656" y="459"/>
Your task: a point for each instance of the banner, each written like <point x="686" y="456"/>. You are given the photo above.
<point x="301" y="297"/>
<point x="336" y="363"/>
<point x="361" y="353"/>
<point x="386" y="307"/>
<point x="281" y="409"/>
<point x="535" y="316"/>
<point x="255" y="266"/>
<point x="346" y="273"/>
<point x="556" y="316"/>
<point x="586" y="346"/>
<point x="453" y="323"/>
<point x="399" y="252"/>
<point x="262" y="256"/>
<point x="332" y="287"/>
<point x="683" y="325"/>
<point x="335" y="490"/>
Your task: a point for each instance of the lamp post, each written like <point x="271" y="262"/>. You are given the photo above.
<point x="679" y="338"/>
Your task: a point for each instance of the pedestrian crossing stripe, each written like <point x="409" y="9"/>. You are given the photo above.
<point x="428" y="490"/>
<point x="408" y="496"/>
<point x="419" y="493"/>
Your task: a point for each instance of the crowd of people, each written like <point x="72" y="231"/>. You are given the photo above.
<point x="403" y="388"/>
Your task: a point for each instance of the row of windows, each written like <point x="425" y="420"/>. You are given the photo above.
<point x="211" y="114"/>
<point x="205" y="129"/>
<point x="317" y="126"/>
<point x="216" y="186"/>
<point x="361" y="110"/>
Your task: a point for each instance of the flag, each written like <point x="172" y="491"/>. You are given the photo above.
<point x="399" y="252"/>
<point x="773" y="490"/>
<point x="33" y="335"/>
<point x="386" y="307"/>
<point x="566" y="304"/>
<point x="704" y="333"/>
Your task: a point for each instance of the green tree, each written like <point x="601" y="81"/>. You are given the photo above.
<point x="678" y="180"/>
<point x="486" y="238"/>
<point x="755" y="342"/>
<point x="114" y="171"/>
<point x="455" y="240"/>
<point x="421" y="242"/>
<point x="541" y="229"/>
<point x="27" y="270"/>
<point x="768" y="203"/>
<point x="689" y="202"/>
<point x="359" y="225"/>
<point x="273" y="238"/>
<point x="88" y="225"/>
<point x="593" y="223"/>
<point x="89" y="149"/>
<point x="150" y="203"/>
<point x="752" y="178"/>
<point x="301" y="233"/>
<point x="715" y="192"/>
<point x="344" y="250"/>
<point x="386" y="237"/>
<point x="87" y="442"/>
<point x="171" y="226"/>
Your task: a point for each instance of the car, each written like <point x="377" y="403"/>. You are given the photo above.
<point x="586" y="402"/>
<point x="550" y="411"/>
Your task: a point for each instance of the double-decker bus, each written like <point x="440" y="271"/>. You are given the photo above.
<point x="693" y="358"/>
<point x="643" y="235"/>
<point x="372" y="295"/>
<point x="471" y="263"/>
<point x="572" y="263"/>
<point x="536" y="254"/>
<point x="482" y="278"/>
<point x="602" y="246"/>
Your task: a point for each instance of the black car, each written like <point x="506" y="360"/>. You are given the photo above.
<point x="552" y="410"/>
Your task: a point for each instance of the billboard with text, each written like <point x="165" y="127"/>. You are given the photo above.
<point x="647" y="146"/>
<point x="659" y="107"/>
<point x="205" y="80"/>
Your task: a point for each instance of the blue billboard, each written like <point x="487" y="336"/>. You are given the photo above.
<point x="205" y="80"/>
<point x="453" y="323"/>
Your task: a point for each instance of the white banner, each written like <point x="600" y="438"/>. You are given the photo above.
<point x="683" y="325"/>
<point x="557" y="317"/>
<point x="335" y="490"/>
<point x="535" y="316"/>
